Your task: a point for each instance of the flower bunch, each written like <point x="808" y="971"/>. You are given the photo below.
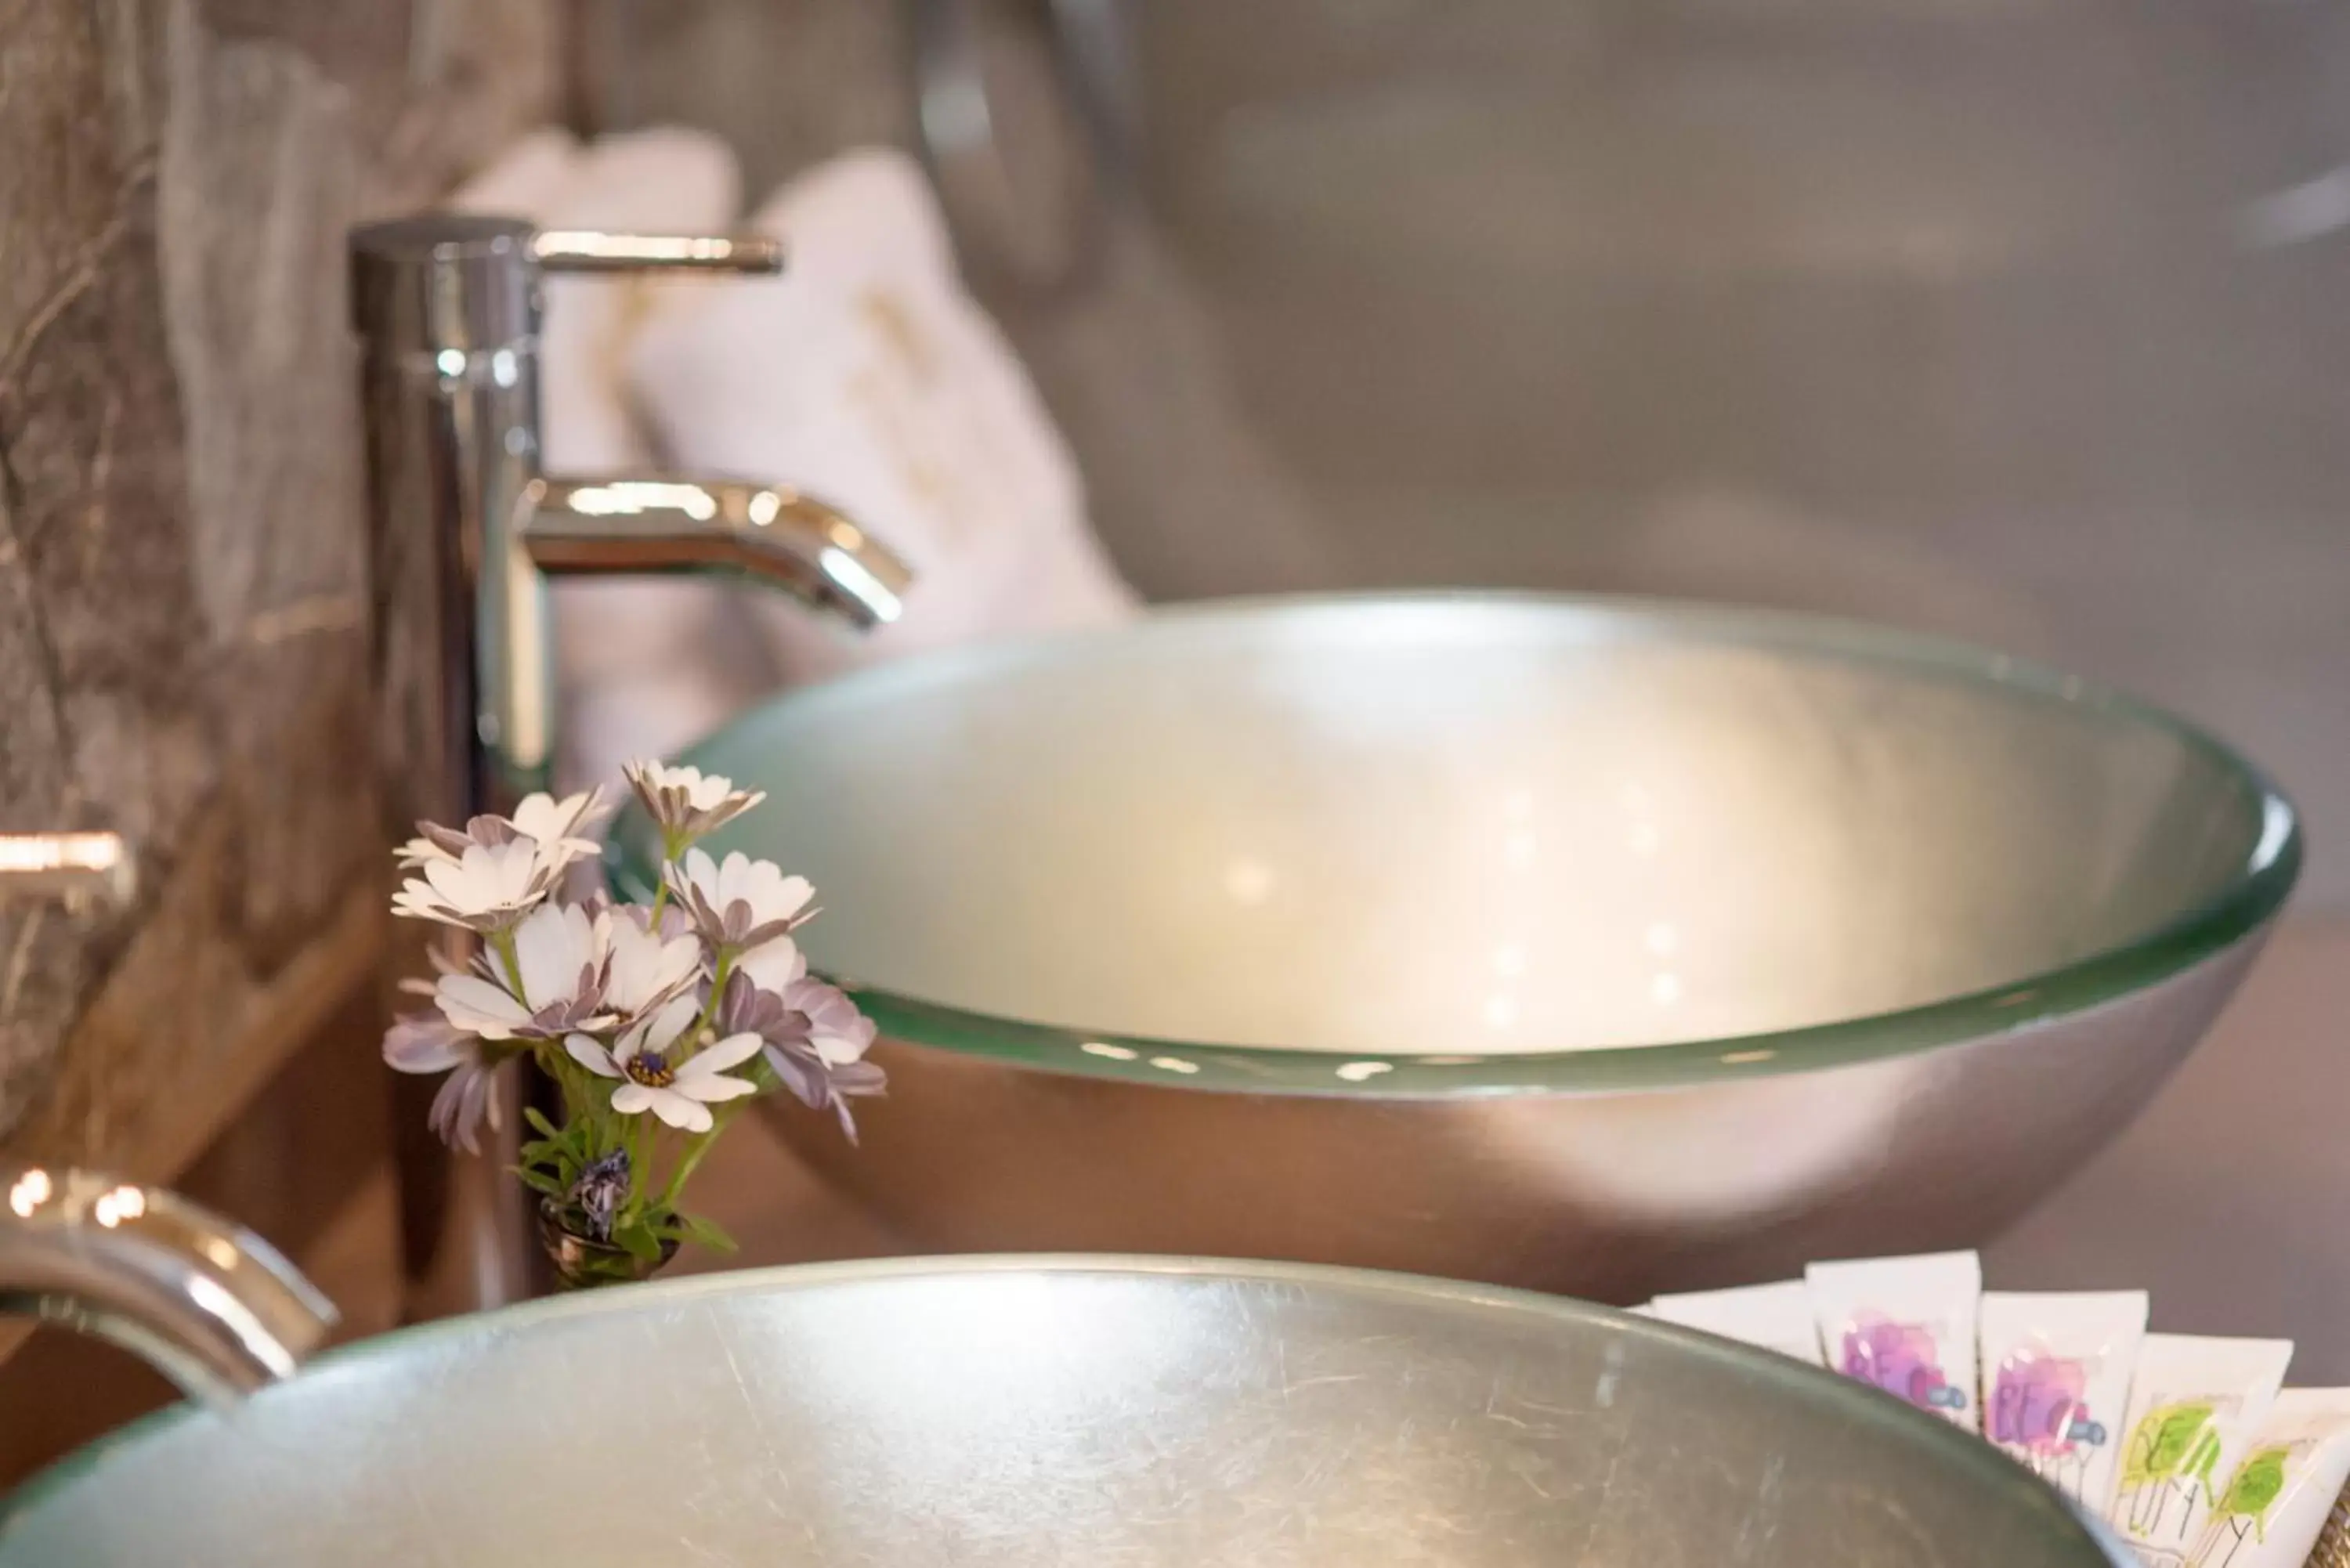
<point x="654" y="1020"/>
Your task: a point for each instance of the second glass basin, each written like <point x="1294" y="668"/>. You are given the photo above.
<point x="1492" y="824"/>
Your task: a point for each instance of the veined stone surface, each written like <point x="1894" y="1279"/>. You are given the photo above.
<point x="183" y="628"/>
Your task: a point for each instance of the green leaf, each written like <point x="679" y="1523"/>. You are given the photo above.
<point x="540" y="1125"/>
<point x="638" y="1243"/>
<point x="540" y="1182"/>
<point x="704" y="1233"/>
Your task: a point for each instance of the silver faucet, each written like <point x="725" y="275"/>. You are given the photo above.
<point x="465" y="527"/>
<point x="213" y="1307"/>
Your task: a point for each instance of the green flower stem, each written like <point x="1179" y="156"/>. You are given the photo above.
<point x="501" y="943"/>
<point x="641" y="1142"/>
<point x="701" y="1144"/>
<point x="673" y="846"/>
<point x="717" y="990"/>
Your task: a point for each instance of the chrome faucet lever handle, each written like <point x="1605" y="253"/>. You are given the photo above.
<point x="591" y="251"/>
<point x="209" y="1305"/>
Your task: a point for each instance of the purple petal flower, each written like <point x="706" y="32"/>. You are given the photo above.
<point x="428" y="1042"/>
<point x="812" y="1036"/>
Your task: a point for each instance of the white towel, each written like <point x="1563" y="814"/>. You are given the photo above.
<point x="868" y="377"/>
<point x="644" y="667"/>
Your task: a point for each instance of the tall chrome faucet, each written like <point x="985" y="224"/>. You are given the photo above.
<point x="465" y="527"/>
<point x="213" y="1307"/>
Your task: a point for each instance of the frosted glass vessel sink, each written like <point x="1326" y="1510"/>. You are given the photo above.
<point x="1072" y="1413"/>
<point x="1562" y="942"/>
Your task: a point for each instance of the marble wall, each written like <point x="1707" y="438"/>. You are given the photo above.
<point x="183" y="621"/>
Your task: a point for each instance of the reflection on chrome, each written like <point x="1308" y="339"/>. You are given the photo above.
<point x="114" y="1208"/>
<point x="865" y="588"/>
<point x="777" y="535"/>
<point x="632" y="497"/>
<point x="213" y="1307"/>
<point x="29" y="1191"/>
<point x="586" y="250"/>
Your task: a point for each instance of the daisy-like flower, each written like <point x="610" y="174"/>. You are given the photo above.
<point x="686" y="803"/>
<point x="648" y="966"/>
<point x="557" y="826"/>
<point x="840" y="1033"/>
<point x="559" y="985"/>
<point x="486" y="887"/>
<point x="562" y="827"/>
<point x="428" y="1042"/>
<point x="658" y="1076"/>
<point x="739" y="903"/>
<point x="773" y="965"/>
<point x="812" y="1037"/>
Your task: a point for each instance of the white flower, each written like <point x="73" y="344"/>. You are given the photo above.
<point x="645" y="969"/>
<point x="679" y="1093"/>
<point x="561" y="957"/>
<point x="560" y="825"/>
<point x="432" y="842"/>
<point x="773" y="965"/>
<point x="554" y="826"/>
<point x="487" y="887"/>
<point x="740" y="902"/>
<point x="686" y="803"/>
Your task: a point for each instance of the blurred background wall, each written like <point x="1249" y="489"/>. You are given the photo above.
<point x="2014" y="320"/>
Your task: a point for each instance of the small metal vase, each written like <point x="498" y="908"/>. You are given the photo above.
<point x="581" y="1262"/>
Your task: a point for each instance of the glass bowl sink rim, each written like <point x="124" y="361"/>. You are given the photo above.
<point x="1855" y="1401"/>
<point x="2232" y="913"/>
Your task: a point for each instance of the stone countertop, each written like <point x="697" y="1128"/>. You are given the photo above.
<point x="2224" y="1201"/>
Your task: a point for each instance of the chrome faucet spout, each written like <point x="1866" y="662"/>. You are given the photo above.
<point x="768" y="532"/>
<point x="213" y="1307"/>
